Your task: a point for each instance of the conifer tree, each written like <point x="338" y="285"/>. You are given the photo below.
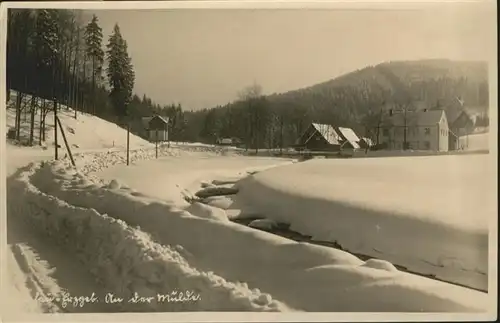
<point x="93" y="42"/>
<point x="120" y="73"/>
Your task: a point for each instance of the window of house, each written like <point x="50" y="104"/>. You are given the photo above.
<point x="427" y="145"/>
<point x="385" y="132"/>
<point x="427" y="131"/>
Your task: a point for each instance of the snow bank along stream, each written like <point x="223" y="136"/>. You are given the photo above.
<point x="436" y="223"/>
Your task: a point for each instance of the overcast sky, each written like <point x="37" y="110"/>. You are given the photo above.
<point x="201" y="58"/>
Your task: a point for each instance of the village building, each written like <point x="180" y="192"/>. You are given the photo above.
<point x="462" y="123"/>
<point x="229" y="142"/>
<point x="325" y="137"/>
<point x="319" y="137"/>
<point x="156" y="128"/>
<point x="417" y="130"/>
<point x="349" y="139"/>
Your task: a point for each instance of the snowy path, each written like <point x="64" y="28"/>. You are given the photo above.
<point x="99" y="246"/>
<point x="50" y="271"/>
<point x="38" y="268"/>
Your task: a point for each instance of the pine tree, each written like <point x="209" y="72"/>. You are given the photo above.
<point x="46" y="44"/>
<point x="120" y="73"/>
<point x="93" y="42"/>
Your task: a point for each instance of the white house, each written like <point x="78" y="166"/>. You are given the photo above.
<point x="421" y="130"/>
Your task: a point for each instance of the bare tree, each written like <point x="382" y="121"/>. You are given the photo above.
<point x="257" y="112"/>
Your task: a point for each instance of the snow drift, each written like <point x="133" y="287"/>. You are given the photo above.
<point x="325" y="279"/>
<point x="435" y="222"/>
<point x="123" y="258"/>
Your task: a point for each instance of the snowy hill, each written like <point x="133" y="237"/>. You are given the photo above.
<point x="85" y="132"/>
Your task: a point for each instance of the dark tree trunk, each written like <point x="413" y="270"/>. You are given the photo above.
<point x="281" y="135"/>
<point x="84" y="106"/>
<point x="18" y="114"/>
<point x="40" y="126"/>
<point x="93" y="85"/>
<point x="32" y="122"/>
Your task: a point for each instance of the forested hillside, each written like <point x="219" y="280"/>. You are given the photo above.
<point x="60" y="55"/>
<point x="354" y="100"/>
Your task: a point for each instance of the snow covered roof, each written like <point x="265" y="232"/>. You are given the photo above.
<point x="146" y="121"/>
<point x="225" y="140"/>
<point x="350" y="136"/>
<point x="328" y="132"/>
<point x="164" y="119"/>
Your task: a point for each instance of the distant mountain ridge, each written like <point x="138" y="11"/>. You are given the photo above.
<point x="390" y="76"/>
<point x="356" y="99"/>
<point x="437" y="82"/>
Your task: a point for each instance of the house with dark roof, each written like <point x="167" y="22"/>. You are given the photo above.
<point x="325" y="137"/>
<point x="319" y="137"/>
<point x="417" y="130"/>
<point x="462" y="122"/>
<point x="156" y="127"/>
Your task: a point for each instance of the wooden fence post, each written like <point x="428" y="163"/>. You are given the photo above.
<point x="66" y="142"/>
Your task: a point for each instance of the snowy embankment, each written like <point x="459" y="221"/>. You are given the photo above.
<point x="86" y="132"/>
<point x="429" y="214"/>
<point x="122" y="257"/>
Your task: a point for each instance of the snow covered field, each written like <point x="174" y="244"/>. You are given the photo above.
<point x="429" y="214"/>
<point x="165" y="178"/>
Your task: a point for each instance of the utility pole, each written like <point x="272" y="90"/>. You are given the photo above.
<point x="156" y="142"/>
<point x="404" y="134"/>
<point x="128" y="142"/>
<point x="379" y="121"/>
<point x="55" y="129"/>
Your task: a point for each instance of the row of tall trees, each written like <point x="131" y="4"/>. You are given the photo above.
<point x="56" y="55"/>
